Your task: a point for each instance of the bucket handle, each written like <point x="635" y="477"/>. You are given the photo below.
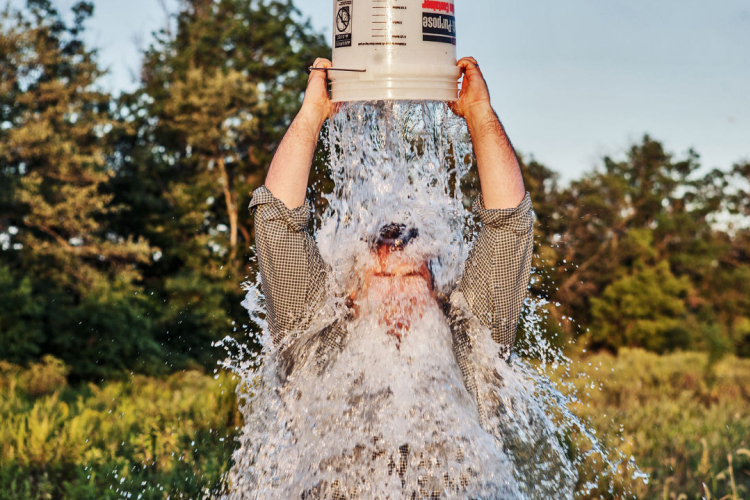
<point x="337" y="69"/>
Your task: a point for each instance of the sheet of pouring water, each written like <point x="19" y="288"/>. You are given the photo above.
<point x="407" y="47"/>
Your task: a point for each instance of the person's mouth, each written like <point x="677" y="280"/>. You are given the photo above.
<point x="397" y="275"/>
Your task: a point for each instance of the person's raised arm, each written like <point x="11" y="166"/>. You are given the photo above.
<point x="292" y="271"/>
<point x="496" y="274"/>
<point x="497" y="163"/>
<point x="290" y="169"/>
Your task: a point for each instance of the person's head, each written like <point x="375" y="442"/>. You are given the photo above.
<point x="392" y="260"/>
<point x="398" y="284"/>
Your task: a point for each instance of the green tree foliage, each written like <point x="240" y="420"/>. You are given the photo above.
<point x="123" y="225"/>
<point x="67" y="277"/>
<point x="195" y="140"/>
<point x="637" y="254"/>
<point x="646" y="309"/>
<point x="53" y="151"/>
<point x="642" y="192"/>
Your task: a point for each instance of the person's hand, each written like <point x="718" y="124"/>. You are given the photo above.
<point x="317" y="101"/>
<point x="474" y="99"/>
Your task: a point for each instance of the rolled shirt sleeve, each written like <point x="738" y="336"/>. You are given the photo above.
<point x="293" y="274"/>
<point x="497" y="271"/>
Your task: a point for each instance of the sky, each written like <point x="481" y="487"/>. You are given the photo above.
<point x="572" y="81"/>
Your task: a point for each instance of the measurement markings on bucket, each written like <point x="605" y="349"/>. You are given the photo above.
<point x="344" y="13"/>
<point x="384" y="24"/>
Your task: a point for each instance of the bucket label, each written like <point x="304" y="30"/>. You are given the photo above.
<point x="439" y="6"/>
<point x="343" y="24"/>
<point x="438" y="27"/>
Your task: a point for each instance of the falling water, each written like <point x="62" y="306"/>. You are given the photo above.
<point x="389" y="417"/>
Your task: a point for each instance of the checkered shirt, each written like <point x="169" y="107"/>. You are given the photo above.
<point x="492" y="289"/>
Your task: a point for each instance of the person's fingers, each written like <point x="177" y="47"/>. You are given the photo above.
<point x="320" y="63"/>
<point x="453" y="106"/>
<point x="469" y="69"/>
<point x="472" y="67"/>
<point x="468" y="62"/>
<point x="325" y="63"/>
<point x="464" y="63"/>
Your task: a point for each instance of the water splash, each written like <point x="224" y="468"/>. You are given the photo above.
<point x="389" y="416"/>
<point x="396" y="162"/>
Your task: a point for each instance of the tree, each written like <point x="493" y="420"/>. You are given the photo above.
<point x="644" y="191"/>
<point x="53" y="151"/>
<point x="605" y="240"/>
<point x="216" y="97"/>
<point x="645" y="309"/>
<point x="69" y="271"/>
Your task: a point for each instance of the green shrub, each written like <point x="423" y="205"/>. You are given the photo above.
<point x="44" y="378"/>
<point x="145" y="436"/>
<point x="684" y="419"/>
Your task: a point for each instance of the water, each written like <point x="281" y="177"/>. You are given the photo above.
<point x="389" y="417"/>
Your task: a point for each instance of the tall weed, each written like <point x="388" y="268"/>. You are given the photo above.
<point x="680" y="416"/>
<point x="683" y="417"/>
<point x="155" y="438"/>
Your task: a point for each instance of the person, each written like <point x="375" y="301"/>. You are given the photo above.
<point x="397" y="287"/>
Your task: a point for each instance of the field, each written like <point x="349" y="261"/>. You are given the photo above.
<point x="151" y="438"/>
<point x="687" y="423"/>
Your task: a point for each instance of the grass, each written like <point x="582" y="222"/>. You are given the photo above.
<point x="154" y="439"/>
<point x="686" y="422"/>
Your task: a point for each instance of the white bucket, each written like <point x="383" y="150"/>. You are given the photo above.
<point x="406" y="47"/>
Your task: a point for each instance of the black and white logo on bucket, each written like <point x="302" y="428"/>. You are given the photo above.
<point x="438" y="22"/>
<point x="343" y="24"/>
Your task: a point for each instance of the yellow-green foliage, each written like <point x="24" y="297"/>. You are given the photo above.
<point x="687" y="423"/>
<point x="121" y="432"/>
<point x="683" y="420"/>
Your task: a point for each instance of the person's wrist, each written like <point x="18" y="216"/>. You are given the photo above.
<point x="314" y="115"/>
<point x="479" y="115"/>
